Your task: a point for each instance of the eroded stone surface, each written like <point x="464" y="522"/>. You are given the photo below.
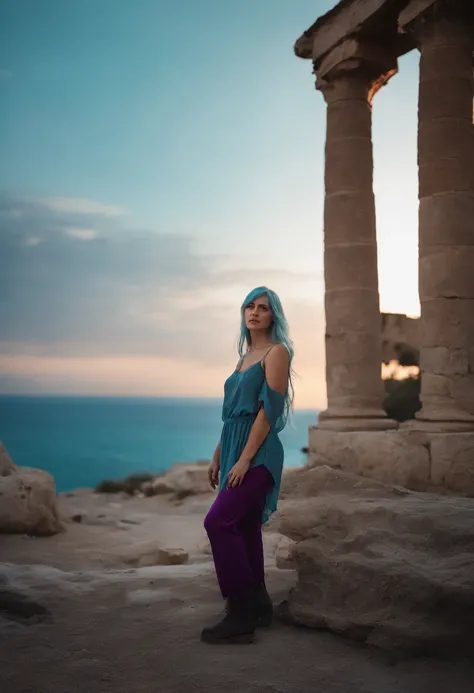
<point x="150" y="553"/>
<point x="181" y="480"/>
<point x="6" y="463"/>
<point x="395" y="457"/>
<point x="27" y="500"/>
<point x="452" y="461"/>
<point x="417" y="460"/>
<point x="380" y="564"/>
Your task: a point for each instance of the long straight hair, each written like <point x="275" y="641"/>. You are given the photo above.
<point x="279" y="334"/>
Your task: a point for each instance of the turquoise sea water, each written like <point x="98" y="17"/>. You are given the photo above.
<point x="82" y="440"/>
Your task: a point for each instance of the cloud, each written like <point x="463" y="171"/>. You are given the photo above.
<point x="81" y="234"/>
<point x="32" y="241"/>
<point x="114" y="293"/>
<point x="86" y="288"/>
<point x="76" y="205"/>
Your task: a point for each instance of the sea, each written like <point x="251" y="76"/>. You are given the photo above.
<point x="84" y="440"/>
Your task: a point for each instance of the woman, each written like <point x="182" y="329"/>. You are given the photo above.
<point x="247" y="465"/>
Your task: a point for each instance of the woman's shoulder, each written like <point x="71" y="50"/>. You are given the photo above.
<point x="277" y="358"/>
<point x="278" y="353"/>
<point x="277" y="368"/>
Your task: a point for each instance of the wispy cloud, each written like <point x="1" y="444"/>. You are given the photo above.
<point x="81" y="234"/>
<point x="32" y="241"/>
<point x="77" y="205"/>
<point x="120" y="291"/>
<point x="84" y="287"/>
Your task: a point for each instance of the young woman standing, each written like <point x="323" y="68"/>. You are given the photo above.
<point x="247" y="465"/>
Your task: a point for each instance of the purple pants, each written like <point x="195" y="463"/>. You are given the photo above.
<point x="234" y="527"/>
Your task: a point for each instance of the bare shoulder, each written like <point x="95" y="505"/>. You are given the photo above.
<point x="276" y="368"/>
<point x="278" y="356"/>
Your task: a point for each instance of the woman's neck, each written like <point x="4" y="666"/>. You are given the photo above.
<point x="259" y="341"/>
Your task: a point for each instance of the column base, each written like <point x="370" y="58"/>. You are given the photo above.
<point x="391" y="457"/>
<point x="430" y="461"/>
<point x="430" y="426"/>
<point x="441" y="419"/>
<point x="339" y="419"/>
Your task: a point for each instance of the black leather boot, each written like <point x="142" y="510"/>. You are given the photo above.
<point x="239" y="623"/>
<point x="263" y="606"/>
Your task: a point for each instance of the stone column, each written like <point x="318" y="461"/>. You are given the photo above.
<point x="353" y="323"/>
<point x="445" y="35"/>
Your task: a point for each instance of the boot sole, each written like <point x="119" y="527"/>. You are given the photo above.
<point x="264" y="621"/>
<point x="245" y="639"/>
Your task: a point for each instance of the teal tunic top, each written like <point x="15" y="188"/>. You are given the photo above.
<point x="244" y="393"/>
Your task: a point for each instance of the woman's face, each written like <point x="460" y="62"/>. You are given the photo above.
<point x="258" y="315"/>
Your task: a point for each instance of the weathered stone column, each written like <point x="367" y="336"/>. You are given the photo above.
<point x="353" y="326"/>
<point x="445" y="35"/>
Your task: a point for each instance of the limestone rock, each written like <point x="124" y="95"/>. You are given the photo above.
<point x="150" y="554"/>
<point x="452" y="461"/>
<point x="205" y="548"/>
<point x="290" y="481"/>
<point x="181" y="480"/>
<point x="27" y="500"/>
<point x="6" y="465"/>
<point x="418" y="459"/>
<point x="390" y="567"/>
<point x="284" y="554"/>
<point x="393" y="457"/>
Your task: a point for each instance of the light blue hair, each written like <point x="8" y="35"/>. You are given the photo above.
<point x="279" y="334"/>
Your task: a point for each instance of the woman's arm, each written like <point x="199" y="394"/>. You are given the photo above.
<point x="276" y="373"/>
<point x="214" y="467"/>
<point x="216" y="455"/>
<point x="258" y="433"/>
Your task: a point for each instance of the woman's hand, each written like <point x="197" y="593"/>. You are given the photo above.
<point x="237" y="473"/>
<point x="213" y="473"/>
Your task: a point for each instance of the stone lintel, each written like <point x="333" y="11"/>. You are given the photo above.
<point x="345" y="19"/>
<point x="412" y="12"/>
<point x="419" y="12"/>
<point x="374" y="63"/>
<point x="350" y="18"/>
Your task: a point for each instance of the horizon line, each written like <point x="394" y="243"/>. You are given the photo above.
<point x="58" y="395"/>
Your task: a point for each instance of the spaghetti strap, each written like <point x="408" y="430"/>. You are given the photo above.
<point x="263" y="360"/>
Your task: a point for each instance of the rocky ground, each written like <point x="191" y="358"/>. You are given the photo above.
<point x="379" y="563"/>
<point x="88" y="609"/>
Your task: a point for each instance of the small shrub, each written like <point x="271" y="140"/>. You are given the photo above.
<point x="131" y="484"/>
<point x="402" y="399"/>
<point x="109" y="486"/>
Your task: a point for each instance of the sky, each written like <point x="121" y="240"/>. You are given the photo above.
<point x="159" y="159"/>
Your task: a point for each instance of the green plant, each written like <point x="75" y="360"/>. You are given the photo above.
<point x="131" y="484"/>
<point x="402" y="399"/>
